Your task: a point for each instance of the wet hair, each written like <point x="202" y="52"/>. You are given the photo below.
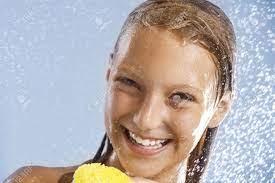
<point x="195" y="21"/>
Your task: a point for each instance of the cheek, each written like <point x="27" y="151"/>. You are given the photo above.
<point x="121" y="104"/>
<point x="185" y="124"/>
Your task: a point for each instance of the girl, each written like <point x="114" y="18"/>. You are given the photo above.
<point x="170" y="85"/>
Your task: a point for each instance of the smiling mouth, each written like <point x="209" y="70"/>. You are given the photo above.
<point x="144" y="146"/>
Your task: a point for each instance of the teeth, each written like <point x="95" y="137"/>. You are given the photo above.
<point x="146" y="142"/>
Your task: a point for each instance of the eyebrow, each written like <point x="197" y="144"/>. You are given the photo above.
<point x="186" y="86"/>
<point x="127" y="69"/>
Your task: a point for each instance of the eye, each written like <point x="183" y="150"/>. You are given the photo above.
<point x="128" y="82"/>
<point x="180" y="97"/>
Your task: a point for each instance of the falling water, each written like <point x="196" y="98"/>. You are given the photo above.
<point x="54" y="53"/>
<point x="244" y="149"/>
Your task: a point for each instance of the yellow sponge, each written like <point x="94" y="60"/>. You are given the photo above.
<point x="98" y="173"/>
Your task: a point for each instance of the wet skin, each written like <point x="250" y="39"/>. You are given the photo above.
<point x="158" y="88"/>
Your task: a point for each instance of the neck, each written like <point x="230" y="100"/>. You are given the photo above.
<point x="174" y="174"/>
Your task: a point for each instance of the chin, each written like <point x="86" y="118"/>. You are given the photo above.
<point x="143" y="160"/>
<point x="136" y="168"/>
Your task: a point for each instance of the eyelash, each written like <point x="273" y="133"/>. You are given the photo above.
<point x="183" y="96"/>
<point x="128" y="82"/>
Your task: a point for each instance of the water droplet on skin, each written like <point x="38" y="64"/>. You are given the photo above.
<point x="176" y="98"/>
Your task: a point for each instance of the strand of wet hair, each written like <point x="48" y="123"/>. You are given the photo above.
<point x="98" y="157"/>
<point x="198" y="161"/>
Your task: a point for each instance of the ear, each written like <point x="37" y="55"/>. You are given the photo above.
<point x="221" y="111"/>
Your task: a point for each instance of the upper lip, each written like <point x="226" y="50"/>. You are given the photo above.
<point x="144" y="136"/>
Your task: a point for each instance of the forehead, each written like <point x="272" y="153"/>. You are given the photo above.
<point x="157" y="55"/>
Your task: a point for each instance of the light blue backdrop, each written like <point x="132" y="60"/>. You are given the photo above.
<point x="53" y="57"/>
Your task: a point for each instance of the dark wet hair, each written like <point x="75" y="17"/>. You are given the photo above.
<point x="199" y="22"/>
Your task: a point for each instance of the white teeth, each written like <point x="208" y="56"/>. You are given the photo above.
<point x="152" y="143"/>
<point x="146" y="142"/>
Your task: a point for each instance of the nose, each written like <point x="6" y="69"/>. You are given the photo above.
<point x="150" y="114"/>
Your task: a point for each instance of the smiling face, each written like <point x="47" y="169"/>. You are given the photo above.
<point x="159" y="100"/>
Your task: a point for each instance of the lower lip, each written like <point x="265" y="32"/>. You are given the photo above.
<point x="139" y="149"/>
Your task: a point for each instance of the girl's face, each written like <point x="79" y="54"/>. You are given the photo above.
<point x="159" y="100"/>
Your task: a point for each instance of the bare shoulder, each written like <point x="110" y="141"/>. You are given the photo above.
<point x="38" y="174"/>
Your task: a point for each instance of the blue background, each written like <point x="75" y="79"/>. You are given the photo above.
<point x="53" y="58"/>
